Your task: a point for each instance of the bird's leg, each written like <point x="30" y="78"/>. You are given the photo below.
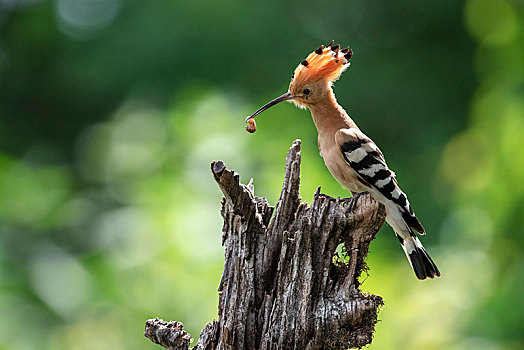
<point x="353" y="195"/>
<point x="359" y="194"/>
<point x="326" y="196"/>
<point x="344" y="200"/>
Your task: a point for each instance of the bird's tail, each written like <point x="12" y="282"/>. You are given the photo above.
<point x="419" y="259"/>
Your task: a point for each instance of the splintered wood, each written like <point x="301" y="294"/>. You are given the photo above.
<point x="280" y="288"/>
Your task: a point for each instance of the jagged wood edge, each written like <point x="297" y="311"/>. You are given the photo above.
<point x="250" y="216"/>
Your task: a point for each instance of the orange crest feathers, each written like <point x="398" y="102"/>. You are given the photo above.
<point x="325" y="63"/>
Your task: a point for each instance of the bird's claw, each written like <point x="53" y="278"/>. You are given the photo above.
<point x="360" y="194"/>
<point x="341" y="200"/>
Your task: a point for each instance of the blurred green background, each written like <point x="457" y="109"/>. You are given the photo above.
<point x="111" y="112"/>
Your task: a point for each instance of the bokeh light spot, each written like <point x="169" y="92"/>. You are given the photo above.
<point x="60" y="281"/>
<point x="467" y="161"/>
<point x="492" y="22"/>
<point x="81" y="19"/>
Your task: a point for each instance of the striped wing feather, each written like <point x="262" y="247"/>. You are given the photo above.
<point x="363" y="155"/>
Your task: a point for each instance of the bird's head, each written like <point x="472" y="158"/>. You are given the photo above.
<point x="312" y="79"/>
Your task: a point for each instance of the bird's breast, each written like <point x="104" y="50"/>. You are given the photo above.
<point x="339" y="168"/>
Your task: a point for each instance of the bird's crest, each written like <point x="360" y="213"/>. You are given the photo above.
<point x="325" y="63"/>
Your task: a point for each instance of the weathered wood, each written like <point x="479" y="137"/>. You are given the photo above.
<point x="283" y="285"/>
<point x="170" y="335"/>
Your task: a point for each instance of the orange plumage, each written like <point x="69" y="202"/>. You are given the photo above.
<point x="323" y="64"/>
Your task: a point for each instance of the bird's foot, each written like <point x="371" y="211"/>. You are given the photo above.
<point x="343" y="200"/>
<point x="356" y="195"/>
<point x="326" y="196"/>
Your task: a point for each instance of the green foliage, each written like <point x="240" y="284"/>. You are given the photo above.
<point x="112" y="111"/>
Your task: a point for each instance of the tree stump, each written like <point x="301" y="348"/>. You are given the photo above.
<point x="285" y="285"/>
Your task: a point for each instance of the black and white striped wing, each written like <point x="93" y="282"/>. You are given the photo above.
<point x="366" y="159"/>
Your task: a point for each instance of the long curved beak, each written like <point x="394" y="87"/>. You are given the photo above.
<point x="287" y="96"/>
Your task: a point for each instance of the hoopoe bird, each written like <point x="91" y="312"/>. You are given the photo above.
<point x="352" y="158"/>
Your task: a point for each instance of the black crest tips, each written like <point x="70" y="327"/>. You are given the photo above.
<point x="305" y="63"/>
<point x="335" y="47"/>
<point x="331" y="43"/>
<point x="319" y="50"/>
<point x="349" y="54"/>
<point x="346" y="50"/>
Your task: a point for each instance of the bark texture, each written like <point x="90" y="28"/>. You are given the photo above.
<point x="290" y="278"/>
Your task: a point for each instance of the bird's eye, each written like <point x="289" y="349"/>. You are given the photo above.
<point x="306" y="91"/>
